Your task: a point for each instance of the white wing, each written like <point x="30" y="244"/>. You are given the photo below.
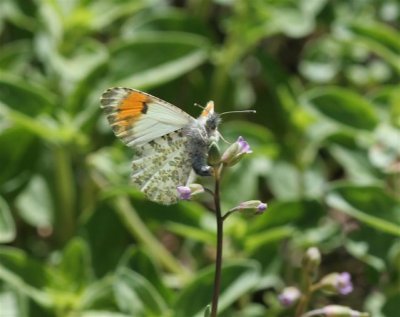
<point x="160" y="166"/>
<point x="137" y="117"/>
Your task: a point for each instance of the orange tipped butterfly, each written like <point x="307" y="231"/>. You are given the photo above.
<point x="169" y="144"/>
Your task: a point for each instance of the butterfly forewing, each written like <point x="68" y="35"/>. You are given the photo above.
<point x="137" y="118"/>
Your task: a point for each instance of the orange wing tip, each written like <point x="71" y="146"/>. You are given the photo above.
<point x="115" y="93"/>
<point x="132" y="106"/>
<point x="209" y="109"/>
<point x="124" y="107"/>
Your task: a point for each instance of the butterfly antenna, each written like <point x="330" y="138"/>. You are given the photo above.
<point x="238" y="111"/>
<point x="198" y="105"/>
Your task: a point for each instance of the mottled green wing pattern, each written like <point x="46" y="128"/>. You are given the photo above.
<point x="160" y="166"/>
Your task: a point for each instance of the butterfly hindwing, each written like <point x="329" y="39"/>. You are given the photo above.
<point x="161" y="165"/>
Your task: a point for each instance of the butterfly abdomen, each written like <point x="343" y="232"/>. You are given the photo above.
<point x="198" y="143"/>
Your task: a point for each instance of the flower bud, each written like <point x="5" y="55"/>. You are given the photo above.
<point x="214" y="155"/>
<point x="341" y="311"/>
<point x="235" y="152"/>
<point x="186" y="192"/>
<point x="251" y="207"/>
<point x="337" y="283"/>
<point x="312" y="260"/>
<point x="196" y="189"/>
<point x="289" y="296"/>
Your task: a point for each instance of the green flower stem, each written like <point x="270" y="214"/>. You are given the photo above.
<point x="220" y="228"/>
<point x="139" y="230"/>
<point x="315" y="287"/>
<point x="207" y="190"/>
<point x="305" y="298"/>
<point x="65" y="190"/>
<point x="227" y="214"/>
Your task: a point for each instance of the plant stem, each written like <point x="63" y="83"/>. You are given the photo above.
<point x="65" y="189"/>
<point x="302" y="305"/>
<point x="305" y="298"/>
<point x="218" y="260"/>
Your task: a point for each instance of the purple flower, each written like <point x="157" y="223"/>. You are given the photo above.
<point x="289" y="296"/>
<point x="187" y="192"/>
<point x="243" y="145"/>
<point x="235" y="152"/>
<point x="337" y="283"/>
<point x="261" y="208"/>
<point x="184" y="192"/>
<point x="344" y="285"/>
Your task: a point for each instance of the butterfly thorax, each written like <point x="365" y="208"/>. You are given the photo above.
<point x="201" y="133"/>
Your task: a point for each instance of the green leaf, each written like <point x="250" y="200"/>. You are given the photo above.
<point x="27" y="106"/>
<point x="356" y="164"/>
<point x="27" y="275"/>
<point x="103" y="13"/>
<point x="288" y="182"/>
<point x="321" y="60"/>
<point x="255" y="241"/>
<point x="369" y="204"/>
<point x="181" y="52"/>
<point x="136" y="296"/>
<point x="12" y="302"/>
<point x="35" y="203"/>
<point x="26" y="98"/>
<point x="359" y="249"/>
<point x="16" y="158"/>
<point x="190" y="232"/>
<point x="77" y="19"/>
<point x="7" y="225"/>
<point x="343" y="106"/>
<point x="102" y="313"/>
<point x="296" y="19"/>
<point x="381" y="39"/>
<point x="99" y="295"/>
<point x="238" y="279"/>
<point x="392" y="305"/>
<point x="386" y="150"/>
<point x="169" y="19"/>
<point x="13" y="11"/>
<point x="13" y="55"/>
<point x="254" y="310"/>
<point x="75" y="265"/>
<point x="256" y="134"/>
<point x="280" y="213"/>
<point x="100" y="222"/>
<point x="141" y="262"/>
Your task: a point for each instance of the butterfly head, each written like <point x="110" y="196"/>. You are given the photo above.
<point x="210" y="119"/>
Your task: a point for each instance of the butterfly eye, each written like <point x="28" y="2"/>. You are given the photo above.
<point x="213" y="121"/>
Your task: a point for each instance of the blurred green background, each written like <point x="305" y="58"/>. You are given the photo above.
<point x="78" y="240"/>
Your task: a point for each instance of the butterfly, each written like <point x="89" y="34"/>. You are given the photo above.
<point x="169" y="144"/>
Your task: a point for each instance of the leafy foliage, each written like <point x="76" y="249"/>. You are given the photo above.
<point x="77" y="240"/>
